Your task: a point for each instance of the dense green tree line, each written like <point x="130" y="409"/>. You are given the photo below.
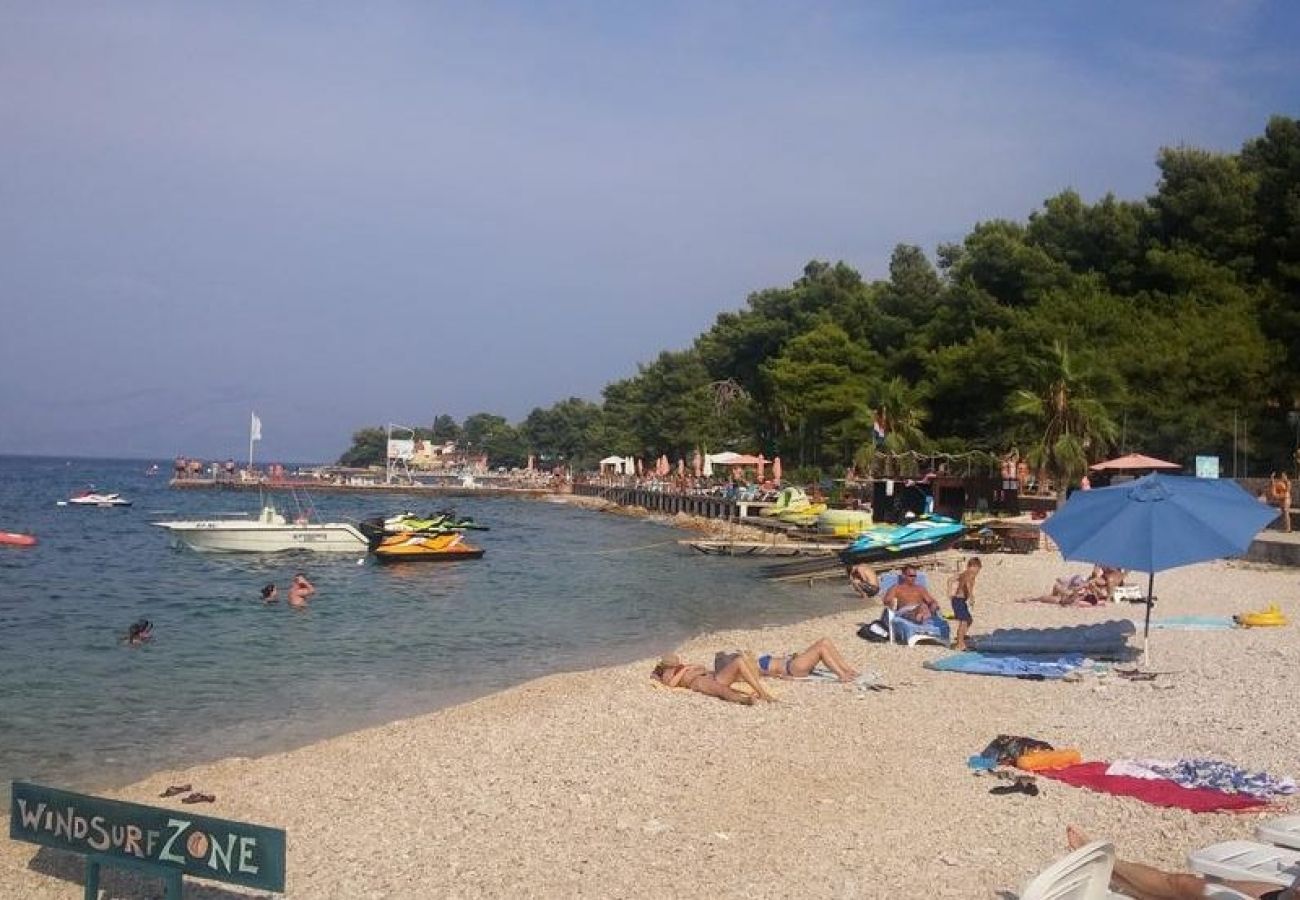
<point x="1155" y="324"/>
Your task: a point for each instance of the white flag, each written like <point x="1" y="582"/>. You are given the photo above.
<point x="255" y="429"/>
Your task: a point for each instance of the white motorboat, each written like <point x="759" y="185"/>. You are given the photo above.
<point x="93" y="498"/>
<point x="269" y="533"/>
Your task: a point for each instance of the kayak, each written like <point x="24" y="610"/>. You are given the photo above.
<point x="14" y="539"/>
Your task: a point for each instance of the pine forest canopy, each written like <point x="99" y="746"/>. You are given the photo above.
<point x="1160" y="324"/>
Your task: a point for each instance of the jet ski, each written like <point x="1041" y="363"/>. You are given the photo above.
<point x="914" y="537"/>
<point x="93" y="498"/>
<point x="425" y="547"/>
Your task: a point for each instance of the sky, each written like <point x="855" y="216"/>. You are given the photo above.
<point x="341" y="214"/>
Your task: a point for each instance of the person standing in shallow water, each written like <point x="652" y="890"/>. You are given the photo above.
<point x="300" y="590"/>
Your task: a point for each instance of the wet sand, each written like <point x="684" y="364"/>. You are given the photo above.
<point x="599" y="784"/>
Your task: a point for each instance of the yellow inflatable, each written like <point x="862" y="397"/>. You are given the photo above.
<point x="1268" y="618"/>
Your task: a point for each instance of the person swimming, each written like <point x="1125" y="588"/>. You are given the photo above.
<point x="140" y="632"/>
<point x="268" y="593"/>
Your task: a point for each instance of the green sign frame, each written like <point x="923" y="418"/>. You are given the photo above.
<point x="169" y="842"/>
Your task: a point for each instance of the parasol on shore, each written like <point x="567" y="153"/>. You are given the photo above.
<point x="1158" y="522"/>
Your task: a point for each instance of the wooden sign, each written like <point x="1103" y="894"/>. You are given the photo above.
<point x="167" y="840"/>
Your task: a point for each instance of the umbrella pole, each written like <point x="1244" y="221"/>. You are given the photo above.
<point x="1146" y="629"/>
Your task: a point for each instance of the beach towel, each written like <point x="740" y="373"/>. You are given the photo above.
<point x="1195" y="623"/>
<point x="1206" y="773"/>
<point x="1029" y="667"/>
<point x="1157" y="792"/>
<point x="1104" y="639"/>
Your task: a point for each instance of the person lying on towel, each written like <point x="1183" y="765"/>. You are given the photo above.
<point x="1143" y="882"/>
<point x="672" y="671"/>
<point x="796" y="665"/>
<point x="915" y="609"/>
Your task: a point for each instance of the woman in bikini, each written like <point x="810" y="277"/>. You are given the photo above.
<point x="801" y="664"/>
<point x="672" y="671"/>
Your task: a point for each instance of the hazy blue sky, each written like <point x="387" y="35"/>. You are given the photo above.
<point x="340" y="214"/>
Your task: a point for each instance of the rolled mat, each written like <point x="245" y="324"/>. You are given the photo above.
<point x="1155" y="791"/>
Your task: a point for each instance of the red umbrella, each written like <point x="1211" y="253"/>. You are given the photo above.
<point x="761" y="464"/>
<point x="776" y="469"/>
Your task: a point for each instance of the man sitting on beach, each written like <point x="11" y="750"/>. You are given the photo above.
<point x="1142" y="882"/>
<point x="915" y="610"/>
<point x="672" y="671"/>
<point x="864" y="580"/>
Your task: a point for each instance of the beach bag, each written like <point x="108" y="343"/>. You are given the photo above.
<point x="875" y="632"/>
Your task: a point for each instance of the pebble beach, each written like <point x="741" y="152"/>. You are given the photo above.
<point x="601" y="784"/>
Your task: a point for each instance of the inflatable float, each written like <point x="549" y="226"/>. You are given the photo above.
<point x="14" y="539"/>
<point x="1268" y="618"/>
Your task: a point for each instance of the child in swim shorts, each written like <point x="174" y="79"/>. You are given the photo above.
<point x="963" y="596"/>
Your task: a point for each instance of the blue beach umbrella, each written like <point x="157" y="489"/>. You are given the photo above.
<point x="1158" y="522"/>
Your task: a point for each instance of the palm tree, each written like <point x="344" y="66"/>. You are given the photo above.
<point x="898" y="410"/>
<point x="1070" y="424"/>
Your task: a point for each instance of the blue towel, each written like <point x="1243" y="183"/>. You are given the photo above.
<point x="973" y="663"/>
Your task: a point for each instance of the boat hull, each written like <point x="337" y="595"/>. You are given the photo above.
<point x="425" y="548"/>
<point x="255" y="537"/>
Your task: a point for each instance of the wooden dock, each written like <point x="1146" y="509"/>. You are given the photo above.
<point x="763" y="548"/>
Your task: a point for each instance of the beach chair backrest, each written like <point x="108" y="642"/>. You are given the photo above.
<point x="1083" y="875"/>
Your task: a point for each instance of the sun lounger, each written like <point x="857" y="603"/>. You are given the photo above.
<point x="1284" y="831"/>
<point x="1082" y="875"/>
<point x="913" y="640"/>
<point x="1247" y="861"/>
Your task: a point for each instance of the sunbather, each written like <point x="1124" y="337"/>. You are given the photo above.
<point x="1142" y="882"/>
<point x="672" y="671"/>
<point x="1075" y="590"/>
<point x="797" y="665"/>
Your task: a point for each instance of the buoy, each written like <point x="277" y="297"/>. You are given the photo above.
<point x="14" y="539"/>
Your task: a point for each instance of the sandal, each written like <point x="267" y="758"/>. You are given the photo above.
<point x="196" y="797"/>
<point x="175" y="789"/>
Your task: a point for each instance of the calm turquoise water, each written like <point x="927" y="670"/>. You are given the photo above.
<point x="559" y="589"/>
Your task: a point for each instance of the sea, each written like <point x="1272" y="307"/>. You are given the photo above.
<point x="559" y="589"/>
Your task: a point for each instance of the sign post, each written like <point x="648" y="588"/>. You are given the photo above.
<point x="165" y="842"/>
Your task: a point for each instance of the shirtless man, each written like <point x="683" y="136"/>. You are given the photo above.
<point x="864" y="580"/>
<point x="673" y="672"/>
<point x="914" y="606"/>
<point x="300" y="590"/>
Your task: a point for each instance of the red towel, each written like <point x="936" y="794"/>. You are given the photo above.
<point x="1156" y="791"/>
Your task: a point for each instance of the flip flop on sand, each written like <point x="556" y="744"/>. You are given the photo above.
<point x="175" y="789"/>
<point x="196" y="797"/>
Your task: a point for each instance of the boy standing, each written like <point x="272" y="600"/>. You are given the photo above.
<point x="963" y="595"/>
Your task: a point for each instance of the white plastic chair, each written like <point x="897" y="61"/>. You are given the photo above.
<point x="1284" y="831"/>
<point x="1083" y="875"/>
<point x="1247" y="861"/>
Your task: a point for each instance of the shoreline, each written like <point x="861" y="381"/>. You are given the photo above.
<point x="596" y="783"/>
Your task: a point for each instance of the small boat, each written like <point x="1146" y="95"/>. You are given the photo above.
<point x="94" y="498"/>
<point x="269" y="533"/>
<point x="445" y="520"/>
<point x="844" y="522"/>
<point x="16" y="539"/>
<point x="152" y="470"/>
<point x="425" y="547"/>
<point x="911" y="538"/>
